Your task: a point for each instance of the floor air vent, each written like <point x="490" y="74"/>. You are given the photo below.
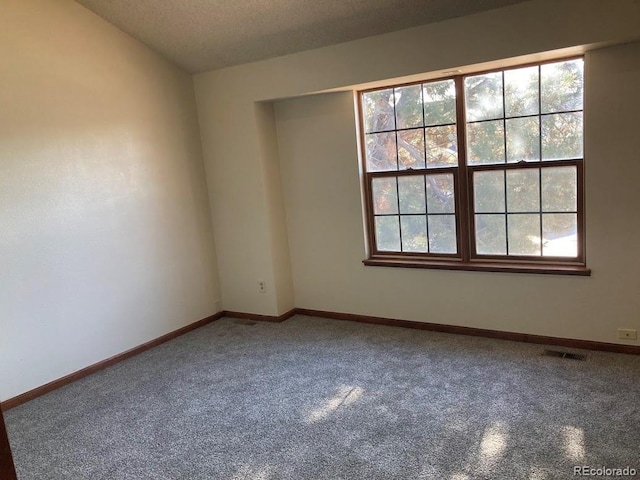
<point x="561" y="354"/>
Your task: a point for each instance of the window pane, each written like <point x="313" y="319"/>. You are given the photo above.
<point x="409" y="107"/>
<point x="385" y="196"/>
<point x="439" y="102"/>
<point x="414" y="233"/>
<point x="561" y="86"/>
<point x="523" y="139"/>
<point x="491" y="236"/>
<point x="560" y="234"/>
<point x="524" y="144"/>
<point x="484" y="96"/>
<point x="523" y="190"/>
<point x="442" y="146"/>
<point x="562" y="136"/>
<point x="485" y="142"/>
<point x="521" y="91"/>
<point x="388" y="234"/>
<point x="560" y="189"/>
<point x="524" y="234"/>
<point x="378" y="110"/>
<point x="488" y="191"/>
<point x="440" y="194"/>
<point x="442" y="234"/>
<point x="381" y="152"/>
<point x="411" y="191"/>
<point x="411" y="148"/>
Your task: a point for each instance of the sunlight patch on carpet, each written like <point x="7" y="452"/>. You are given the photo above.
<point x="346" y="395"/>
<point x="573" y="442"/>
<point x="248" y="472"/>
<point x="460" y="476"/>
<point x="492" y="446"/>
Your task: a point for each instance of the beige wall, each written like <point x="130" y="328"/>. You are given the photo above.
<point x="317" y="140"/>
<point x="105" y="232"/>
<point x="274" y="203"/>
<point x="323" y="220"/>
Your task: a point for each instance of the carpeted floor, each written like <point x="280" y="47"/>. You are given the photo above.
<point x="322" y="399"/>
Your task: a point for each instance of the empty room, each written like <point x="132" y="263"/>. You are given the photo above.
<point x="295" y="239"/>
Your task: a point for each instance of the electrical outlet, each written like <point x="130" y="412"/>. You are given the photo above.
<point x="627" y="334"/>
<point x="262" y="286"/>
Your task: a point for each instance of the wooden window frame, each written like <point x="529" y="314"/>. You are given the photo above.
<point x="466" y="257"/>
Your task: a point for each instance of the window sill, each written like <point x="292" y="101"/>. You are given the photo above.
<point x="481" y="266"/>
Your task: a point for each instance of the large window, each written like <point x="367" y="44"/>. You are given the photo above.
<point x="480" y="171"/>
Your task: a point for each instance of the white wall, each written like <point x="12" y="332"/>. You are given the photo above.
<point x="234" y="150"/>
<point x="105" y="233"/>
<point x="317" y="141"/>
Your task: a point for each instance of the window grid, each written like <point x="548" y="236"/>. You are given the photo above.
<point x="540" y="149"/>
<point x="401" y="170"/>
<point x="504" y="174"/>
<point x="427" y="214"/>
<point x="539" y="163"/>
<point x="468" y="215"/>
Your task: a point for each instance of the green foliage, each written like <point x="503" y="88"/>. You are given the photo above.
<point x="561" y="86"/>
<point x="439" y="103"/>
<point x="388" y="234"/>
<point x="411" y="148"/>
<point x="381" y="152"/>
<point x="523" y="139"/>
<point x="385" y="196"/>
<point x="521" y="95"/>
<point x="409" y="107"/>
<point x="414" y="233"/>
<point x="412" y="194"/>
<point x="485" y="142"/>
<point x="562" y="136"/>
<point x="442" y="234"/>
<point x="378" y="110"/>
<point x="483" y="95"/>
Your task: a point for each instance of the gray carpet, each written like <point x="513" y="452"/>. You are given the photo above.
<point x="321" y="399"/>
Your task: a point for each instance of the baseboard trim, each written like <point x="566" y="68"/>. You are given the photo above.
<point x="261" y="318"/>
<point x="72" y="377"/>
<point x="476" y="332"/>
<point x="435" y="327"/>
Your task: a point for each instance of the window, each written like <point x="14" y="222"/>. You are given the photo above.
<point x="479" y="171"/>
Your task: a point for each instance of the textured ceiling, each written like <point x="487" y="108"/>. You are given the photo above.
<point x="201" y="35"/>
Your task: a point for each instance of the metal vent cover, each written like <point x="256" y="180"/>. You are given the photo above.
<point x="563" y="354"/>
